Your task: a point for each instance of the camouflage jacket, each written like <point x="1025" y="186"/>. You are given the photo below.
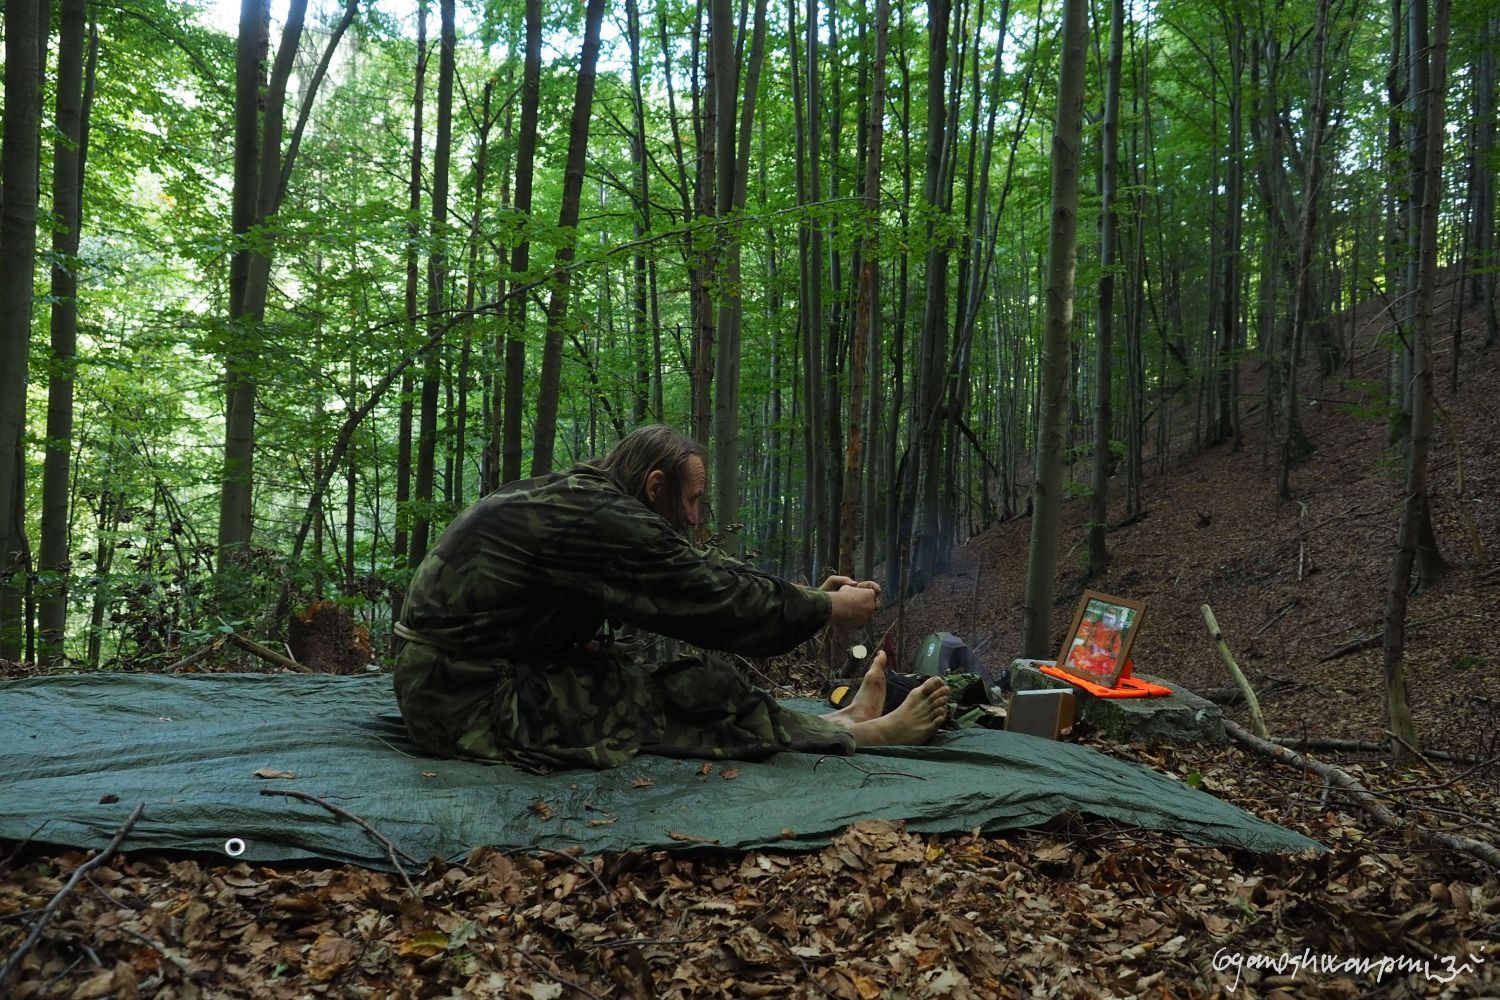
<point x="533" y="570"/>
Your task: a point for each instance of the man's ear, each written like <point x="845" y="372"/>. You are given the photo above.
<point x="654" y="480"/>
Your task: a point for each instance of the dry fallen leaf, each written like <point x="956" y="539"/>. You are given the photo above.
<point x="424" y="945"/>
<point x="644" y="782"/>
<point x="542" y="809"/>
<point x="729" y="774"/>
<point x="330" y="955"/>
<point x="429" y="774"/>
<point x="703" y="771"/>
<point x="689" y="838"/>
<point x="604" y="822"/>
<point x="271" y="772"/>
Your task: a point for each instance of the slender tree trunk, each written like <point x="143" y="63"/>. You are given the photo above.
<point x="1104" y="352"/>
<point x="1292" y="442"/>
<point x="1488" y="261"/>
<point x="19" y="150"/>
<point x="866" y="315"/>
<point x="1403" y="732"/>
<point x="402" y="548"/>
<point x="437" y="280"/>
<point x="515" y="346"/>
<point x="74" y="95"/>
<point x="471" y="278"/>
<point x="1062" y="259"/>
<point x="557" y="305"/>
<point x="640" y="346"/>
<point x="926" y="451"/>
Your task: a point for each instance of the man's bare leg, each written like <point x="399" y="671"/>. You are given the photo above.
<point x="869" y="700"/>
<point x="914" y="721"/>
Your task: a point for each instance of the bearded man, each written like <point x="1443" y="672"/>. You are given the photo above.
<point x="509" y="625"/>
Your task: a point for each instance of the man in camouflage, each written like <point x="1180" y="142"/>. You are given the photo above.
<point x="504" y="658"/>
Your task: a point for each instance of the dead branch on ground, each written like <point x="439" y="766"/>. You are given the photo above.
<point x="1340" y="779"/>
<point x="269" y="655"/>
<point x="50" y="910"/>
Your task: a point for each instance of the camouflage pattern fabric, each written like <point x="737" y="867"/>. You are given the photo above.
<point x="505" y="608"/>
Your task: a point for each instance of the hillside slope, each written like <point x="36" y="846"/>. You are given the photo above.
<point x="1214" y="533"/>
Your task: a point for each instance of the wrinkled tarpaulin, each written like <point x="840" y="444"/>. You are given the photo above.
<point x="189" y="747"/>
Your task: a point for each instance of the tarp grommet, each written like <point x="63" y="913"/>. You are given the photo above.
<point x="234" y="847"/>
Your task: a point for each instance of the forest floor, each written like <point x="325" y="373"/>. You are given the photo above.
<point x="1081" y="908"/>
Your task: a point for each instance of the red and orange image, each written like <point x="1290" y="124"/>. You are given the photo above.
<point x="1096" y="646"/>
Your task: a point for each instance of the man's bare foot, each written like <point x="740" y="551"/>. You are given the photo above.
<point x="914" y="721"/>
<point x="869" y="700"/>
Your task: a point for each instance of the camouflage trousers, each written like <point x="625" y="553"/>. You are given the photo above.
<point x="597" y="711"/>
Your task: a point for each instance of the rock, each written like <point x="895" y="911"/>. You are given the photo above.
<point x="1182" y="717"/>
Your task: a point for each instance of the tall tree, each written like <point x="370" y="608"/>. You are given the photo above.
<point x="1062" y="259"/>
<point x="520" y="260"/>
<point x="567" y="221"/>
<point x="19" y="148"/>
<point x="1402" y="731"/>
<point x="261" y="174"/>
<point x="867" y="312"/>
<point x="75" y="87"/>
<point x="1104" y="348"/>
<point x="733" y="170"/>
<point x="437" y="280"/>
<point x="402" y="544"/>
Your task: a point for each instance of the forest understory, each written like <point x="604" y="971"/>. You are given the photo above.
<point x="1082" y="908"/>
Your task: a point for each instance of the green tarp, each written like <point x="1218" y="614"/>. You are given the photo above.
<point x="77" y="753"/>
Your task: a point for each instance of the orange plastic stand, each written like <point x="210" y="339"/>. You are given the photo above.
<point x="1128" y="686"/>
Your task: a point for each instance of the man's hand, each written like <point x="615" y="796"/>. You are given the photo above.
<point x="854" y="604"/>
<point x="833" y="583"/>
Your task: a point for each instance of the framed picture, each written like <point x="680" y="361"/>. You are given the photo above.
<point x="1097" y="646"/>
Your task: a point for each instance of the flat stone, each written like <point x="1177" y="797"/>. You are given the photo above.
<point x="1181" y="717"/>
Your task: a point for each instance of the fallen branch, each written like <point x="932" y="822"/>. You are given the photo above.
<point x="1354" y="645"/>
<point x="391" y="850"/>
<point x="1235" y="671"/>
<point x="192" y="658"/>
<point x="1339" y="778"/>
<point x="1368" y="746"/>
<point x="587" y="870"/>
<point x="50" y="910"/>
<point x="269" y="655"/>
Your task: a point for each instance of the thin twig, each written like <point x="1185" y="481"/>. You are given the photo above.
<point x="21" y="846"/>
<point x="1397" y="737"/>
<point x="192" y="658"/>
<point x="587" y="870"/>
<point x="51" y="908"/>
<point x="187" y="970"/>
<point x="391" y="850"/>
<point x="866" y="770"/>
<point x="555" y="976"/>
<point x="1366" y="746"/>
<point x="399" y="750"/>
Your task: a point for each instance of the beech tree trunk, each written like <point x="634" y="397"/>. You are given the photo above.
<point x="866" y="314"/>
<point x="1104" y="344"/>
<point x="437" y="280"/>
<point x="75" y="88"/>
<point x="557" y="305"/>
<point x="19" y="149"/>
<point x="1397" y="707"/>
<point x="1062" y="259"/>
<point x="520" y="260"/>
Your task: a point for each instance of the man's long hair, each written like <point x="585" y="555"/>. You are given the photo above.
<point x="643" y="451"/>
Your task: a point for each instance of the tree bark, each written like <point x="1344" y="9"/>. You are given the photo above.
<point x="1431" y="124"/>
<point x="75" y="87"/>
<point x="1104" y="344"/>
<point x="866" y="314"/>
<point x="1062" y="259"/>
<point x="19" y="149"/>
<point x="402" y="547"/>
<point x="515" y="346"/>
<point x="557" y="305"/>
<point x="437" y="280"/>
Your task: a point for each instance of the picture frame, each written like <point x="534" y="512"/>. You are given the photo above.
<point x="1097" y="645"/>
